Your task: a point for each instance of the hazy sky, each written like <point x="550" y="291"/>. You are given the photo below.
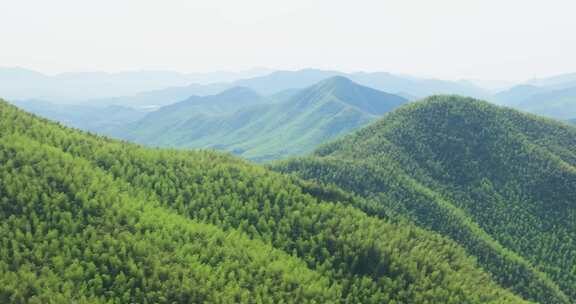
<point x="488" y="39"/>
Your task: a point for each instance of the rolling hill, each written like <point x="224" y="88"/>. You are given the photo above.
<point x="86" y="219"/>
<point x="270" y="130"/>
<point x="499" y="182"/>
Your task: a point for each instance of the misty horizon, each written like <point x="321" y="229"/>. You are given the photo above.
<point x="448" y="39"/>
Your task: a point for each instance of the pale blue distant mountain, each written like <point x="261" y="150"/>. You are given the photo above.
<point x="555" y="82"/>
<point x="413" y="86"/>
<point x="19" y="83"/>
<point x="493" y="86"/>
<point x="151" y="89"/>
<point x="268" y="130"/>
<point x="553" y="97"/>
<point x="516" y="94"/>
<point x="151" y="100"/>
<point x="100" y="119"/>
<point x="416" y="86"/>
<point x="560" y="104"/>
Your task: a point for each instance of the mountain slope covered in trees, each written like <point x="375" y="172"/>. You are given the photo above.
<point x="91" y="220"/>
<point x="268" y="131"/>
<point x="499" y="182"/>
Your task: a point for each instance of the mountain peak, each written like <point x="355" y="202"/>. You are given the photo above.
<point x="341" y="90"/>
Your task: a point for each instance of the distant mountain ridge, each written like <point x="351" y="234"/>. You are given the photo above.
<point x="81" y="87"/>
<point x="158" y="88"/>
<point x="555" y="82"/>
<point x="387" y="82"/>
<point x="267" y="130"/>
<point x="552" y="97"/>
<point x="559" y="104"/>
<point x="95" y="118"/>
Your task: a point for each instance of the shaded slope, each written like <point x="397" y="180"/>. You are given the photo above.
<point x="87" y="219"/>
<point x="499" y="182"/>
<point x="321" y="112"/>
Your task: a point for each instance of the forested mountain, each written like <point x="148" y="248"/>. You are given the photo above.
<point x="101" y="118"/>
<point x="500" y="183"/>
<point x="85" y="219"/>
<point x="267" y="131"/>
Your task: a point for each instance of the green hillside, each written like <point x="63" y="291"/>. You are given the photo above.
<point x="499" y="182"/>
<point x="269" y="131"/>
<point x="85" y="219"/>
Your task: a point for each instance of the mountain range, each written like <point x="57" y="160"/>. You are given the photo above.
<point x="232" y="130"/>
<point x="157" y="88"/>
<point x="397" y="84"/>
<point x="559" y="104"/>
<point x="241" y="121"/>
<point x="553" y="97"/>
<point x="86" y="219"/>
<point x="84" y="87"/>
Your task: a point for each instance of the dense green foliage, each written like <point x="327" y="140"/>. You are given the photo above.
<point x="266" y="131"/>
<point x="90" y="220"/>
<point x="499" y="182"/>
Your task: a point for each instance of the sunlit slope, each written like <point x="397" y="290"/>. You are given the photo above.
<point x="87" y="219"/>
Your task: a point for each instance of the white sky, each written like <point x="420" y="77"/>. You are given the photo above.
<point x="487" y="39"/>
